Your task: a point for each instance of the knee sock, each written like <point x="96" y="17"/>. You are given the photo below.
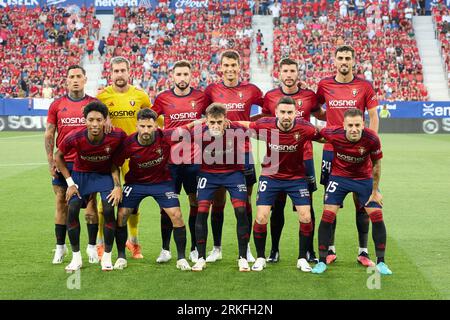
<point x="304" y="237"/>
<point x="325" y="230"/>
<point x="201" y="227"/>
<point x="166" y="230"/>
<point x="73" y="225"/>
<point x="260" y="236"/>
<point x="217" y="224"/>
<point x="179" y="235"/>
<point x="60" y="233"/>
<point x="378" y="234"/>
<point x="192" y="216"/>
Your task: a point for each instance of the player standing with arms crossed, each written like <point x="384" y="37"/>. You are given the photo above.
<point x="65" y="115"/>
<point x="340" y="93"/>
<point x="238" y="97"/>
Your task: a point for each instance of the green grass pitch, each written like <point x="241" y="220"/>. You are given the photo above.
<point x="415" y="183"/>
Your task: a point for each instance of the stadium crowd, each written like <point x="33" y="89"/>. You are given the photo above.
<point x="441" y="16"/>
<point x="34" y="54"/>
<point x="37" y="46"/>
<point x="155" y="40"/>
<point x="381" y="33"/>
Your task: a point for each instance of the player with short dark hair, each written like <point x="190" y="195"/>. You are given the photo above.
<point x="340" y="93"/>
<point x="180" y="105"/>
<point x="222" y="165"/>
<point x="283" y="171"/>
<point x="238" y="98"/>
<point x="93" y="171"/>
<point x="149" y="151"/>
<point x="64" y="116"/>
<point x="356" y="168"/>
<point x="306" y="105"/>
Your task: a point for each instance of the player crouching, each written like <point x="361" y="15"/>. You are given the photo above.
<point x="93" y="171"/>
<point x="356" y="167"/>
<point x="148" y="150"/>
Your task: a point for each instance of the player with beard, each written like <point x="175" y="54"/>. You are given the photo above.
<point x="340" y="93"/>
<point x="306" y="105"/>
<point x="283" y="171"/>
<point x="124" y="102"/>
<point x="238" y="97"/>
<point x="179" y="106"/>
<point x="65" y="115"/>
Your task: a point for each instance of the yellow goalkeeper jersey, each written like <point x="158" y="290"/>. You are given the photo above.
<point x="123" y="107"/>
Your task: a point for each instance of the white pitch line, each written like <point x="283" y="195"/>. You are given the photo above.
<point x="18" y="137"/>
<point x="23" y="164"/>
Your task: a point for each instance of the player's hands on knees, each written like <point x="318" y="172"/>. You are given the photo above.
<point x="71" y="191"/>
<point x="115" y="197"/>
<point x="375" y="197"/>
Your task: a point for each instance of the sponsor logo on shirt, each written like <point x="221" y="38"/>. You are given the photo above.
<point x="183" y="116"/>
<point x="122" y="114"/>
<point x="351" y="159"/>
<point x="283" y="147"/>
<point x="151" y="163"/>
<point x="72" y="121"/>
<point x="235" y="106"/>
<point x="95" y="158"/>
<point x="342" y="103"/>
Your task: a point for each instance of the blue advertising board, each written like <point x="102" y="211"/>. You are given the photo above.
<point x="417" y="109"/>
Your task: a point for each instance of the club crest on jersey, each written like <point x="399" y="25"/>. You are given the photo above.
<point x="193" y="104"/>
<point x="159" y="151"/>
<point x="299" y="103"/>
<point x="354" y="92"/>
<point x="241" y="95"/>
<point x="108" y="149"/>
<point x="361" y="150"/>
<point x="132" y="102"/>
<point x="297" y="136"/>
<point x="111" y="104"/>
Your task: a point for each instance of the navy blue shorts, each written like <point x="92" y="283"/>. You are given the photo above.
<point x="268" y="190"/>
<point x="249" y="169"/>
<point x="327" y="158"/>
<point x="310" y="174"/>
<point x="234" y="182"/>
<point x="60" y="180"/>
<point x="186" y="176"/>
<point x="339" y="187"/>
<point x="164" y="194"/>
<point x="90" y="182"/>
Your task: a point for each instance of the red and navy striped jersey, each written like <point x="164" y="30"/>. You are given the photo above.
<point x="92" y="157"/>
<point x="148" y="163"/>
<point x="306" y="103"/>
<point x="353" y="159"/>
<point x="285" y="149"/>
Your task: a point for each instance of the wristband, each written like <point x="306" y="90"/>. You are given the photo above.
<point x="70" y="182"/>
